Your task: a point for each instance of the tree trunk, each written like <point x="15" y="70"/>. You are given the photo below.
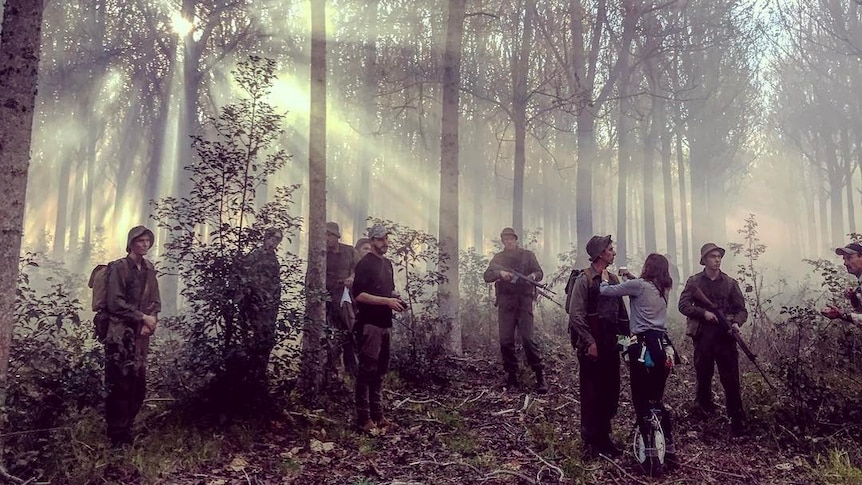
<point x="313" y="348"/>
<point x="685" y="235"/>
<point x="19" y="72"/>
<point x="448" y="293"/>
<point x="371" y="140"/>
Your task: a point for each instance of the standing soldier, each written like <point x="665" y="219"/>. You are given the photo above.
<point x="376" y="299"/>
<point x="340" y="263"/>
<point x="594" y="323"/>
<point x="704" y="294"/>
<point x="852" y="255"/>
<point x="515" y="305"/>
<point x="261" y="305"/>
<point x="133" y="304"/>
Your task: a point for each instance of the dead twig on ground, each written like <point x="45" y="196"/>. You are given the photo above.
<point x="627" y="474"/>
<point x="406" y="400"/>
<point x="550" y="465"/>
<point x="470" y="400"/>
<point x="445" y="463"/>
<point x="507" y="472"/>
<point x="312" y="416"/>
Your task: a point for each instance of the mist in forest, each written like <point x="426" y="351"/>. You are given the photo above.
<point x="665" y="124"/>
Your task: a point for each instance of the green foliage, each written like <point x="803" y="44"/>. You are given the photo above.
<point x="420" y="270"/>
<point x="751" y="277"/>
<point x="837" y="467"/>
<point x="214" y="228"/>
<point x="477" y="301"/>
<point x="54" y="365"/>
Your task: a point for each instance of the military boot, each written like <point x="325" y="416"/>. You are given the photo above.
<point x="511" y="380"/>
<point x="541" y="385"/>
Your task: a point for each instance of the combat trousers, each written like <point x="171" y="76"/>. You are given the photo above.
<point x="341" y="319"/>
<point x="600" y="394"/>
<point x="713" y="347"/>
<point x="125" y="378"/>
<point x="516" y="312"/>
<point x="373" y="365"/>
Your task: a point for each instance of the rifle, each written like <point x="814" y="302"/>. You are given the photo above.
<point x="733" y="332"/>
<point x="541" y="289"/>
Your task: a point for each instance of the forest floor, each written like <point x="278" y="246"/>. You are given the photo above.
<point x="472" y="430"/>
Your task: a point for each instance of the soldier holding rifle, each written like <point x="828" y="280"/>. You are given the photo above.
<point x="515" y="296"/>
<point x="707" y="295"/>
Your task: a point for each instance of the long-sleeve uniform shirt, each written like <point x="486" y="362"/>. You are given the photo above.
<point x="723" y="292"/>
<point x="594" y="318"/>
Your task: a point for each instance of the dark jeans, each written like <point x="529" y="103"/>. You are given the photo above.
<point x="516" y="312"/>
<point x="600" y="394"/>
<point x="125" y="378"/>
<point x="373" y="365"/>
<point x="713" y="347"/>
<point x="648" y="385"/>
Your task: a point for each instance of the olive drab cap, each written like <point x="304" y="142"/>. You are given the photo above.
<point x="332" y="228"/>
<point x="508" y="231"/>
<point x="596" y="245"/>
<point x="708" y="248"/>
<point x="137" y="232"/>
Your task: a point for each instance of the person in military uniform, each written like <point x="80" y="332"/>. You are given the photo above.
<point x="515" y="305"/>
<point x="376" y="299"/>
<point x="594" y="323"/>
<point x="713" y="346"/>
<point x="261" y="304"/>
<point x="133" y="305"/>
<point x="340" y="263"/>
<point x="852" y="255"/>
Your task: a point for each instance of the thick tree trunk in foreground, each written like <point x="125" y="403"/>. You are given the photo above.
<point x="19" y="73"/>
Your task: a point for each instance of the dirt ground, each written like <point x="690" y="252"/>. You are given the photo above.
<point x="473" y="430"/>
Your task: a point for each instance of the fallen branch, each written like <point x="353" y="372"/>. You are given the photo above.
<point x="505" y="411"/>
<point x="627" y="474"/>
<point x="312" y="416"/>
<point x="445" y="463"/>
<point x="406" y="400"/>
<point x="507" y="472"/>
<point x="469" y="400"/>
<point x="28" y="431"/>
<point x="551" y="466"/>
<point x="526" y="404"/>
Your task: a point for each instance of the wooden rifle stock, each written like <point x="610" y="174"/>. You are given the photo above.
<point x="728" y="327"/>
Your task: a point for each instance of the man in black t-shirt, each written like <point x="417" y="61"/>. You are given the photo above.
<point x="374" y="287"/>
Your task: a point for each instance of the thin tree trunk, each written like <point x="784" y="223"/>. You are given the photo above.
<point x="449" y="170"/>
<point x="313" y="349"/>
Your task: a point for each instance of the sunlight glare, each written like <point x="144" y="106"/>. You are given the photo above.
<point x="181" y="25"/>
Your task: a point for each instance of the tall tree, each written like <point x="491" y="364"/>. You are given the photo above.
<point x="313" y="348"/>
<point x="449" y="173"/>
<point x="20" y="45"/>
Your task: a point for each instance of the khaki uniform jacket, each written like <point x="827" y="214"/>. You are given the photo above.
<point x="132" y="293"/>
<point x="724" y="293"/>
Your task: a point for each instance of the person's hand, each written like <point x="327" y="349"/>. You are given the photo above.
<point x="606" y="277"/>
<point x="149" y="326"/>
<point x="593" y="352"/>
<point x="734" y="328"/>
<point x="669" y="363"/>
<point x="395" y="304"/>
<point x="531" y="276"/>
<point x="505" y="275"/>
<point x="848" y="292"/>
<point x="709" y="316"/>
<point x="831" y="312"/>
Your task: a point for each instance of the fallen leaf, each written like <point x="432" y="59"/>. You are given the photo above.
<point x="318" y="446"/>
<point x="238" y="463"/>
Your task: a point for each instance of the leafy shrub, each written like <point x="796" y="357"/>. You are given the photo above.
<point x="213" y="229"/>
